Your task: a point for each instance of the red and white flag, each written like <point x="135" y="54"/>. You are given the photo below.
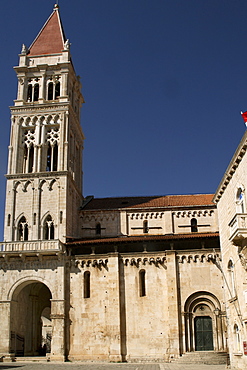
<point x="244" y="115"/>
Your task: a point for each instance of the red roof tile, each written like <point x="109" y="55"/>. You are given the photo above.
<point x="132" y="239"/>
<point x="51" y="38"/>
<point x="168" y="201"/>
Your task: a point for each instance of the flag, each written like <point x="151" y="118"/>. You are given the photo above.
<point x="244" y="115"/>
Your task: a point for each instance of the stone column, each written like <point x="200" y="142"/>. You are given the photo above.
<point x="173" y="307"/>
<point x="113" y="312"/>
<point x="58" y="329"/>
<point x="5" y="330"/>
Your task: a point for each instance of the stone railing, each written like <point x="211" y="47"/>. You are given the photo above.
<point x="238" y="228"/>
<point x="32" y="246"/>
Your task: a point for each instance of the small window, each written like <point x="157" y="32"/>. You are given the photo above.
<point x="98" y="229"/>
<point x="36" y="92"/>
<point x="145" y="227"/>
<point x="23" y="229"/>
<point x="50" y="91"/>
<point x="8" y="221"/>
<point x="193" y="224"/>
<point x="61" y="217"/>
<point x="230" y="267"/>
<point x="30" y="93"/>
<point x="49" y="228"/>
<point x="142" y="283"/>
<point x="240" y="201"/>
<point x="30" y="159"/>
<point x="86" y="284"/>
<point x="57" y="90"/>
<point x="34" y="218"/>
<point x="236" y="338"/>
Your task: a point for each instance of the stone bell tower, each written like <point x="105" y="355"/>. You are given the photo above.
<point x="43" y="197"/>
<point x="44" y="178"/>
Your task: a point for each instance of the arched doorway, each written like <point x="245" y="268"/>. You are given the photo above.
<point x="203" y="323"/>
<point x="29" y="316"/>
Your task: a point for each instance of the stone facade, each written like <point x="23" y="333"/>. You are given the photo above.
<point x="231" y="203"/>
<point x="114" y="279"/>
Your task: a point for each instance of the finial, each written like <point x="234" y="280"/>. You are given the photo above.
<point x="24" y="49"/>
<point x="56" y="6"/>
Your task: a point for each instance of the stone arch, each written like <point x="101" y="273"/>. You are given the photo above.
<point x="29" y="299"/>
<point x="203" y="323"/>
<point x="22" y="282"/>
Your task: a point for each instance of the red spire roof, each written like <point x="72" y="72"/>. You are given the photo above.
<point x="51" y="38"/>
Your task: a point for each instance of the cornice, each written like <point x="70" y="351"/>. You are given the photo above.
<point x="231" y="169"/>
<point x="20" y="109"/>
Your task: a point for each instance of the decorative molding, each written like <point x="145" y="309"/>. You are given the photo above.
<point x="99" y="263"/>
<point x="160" y="260"/>
<point x="145" y="215"/>
<point x="210" y="257"/>
<point x="197" y="213"/>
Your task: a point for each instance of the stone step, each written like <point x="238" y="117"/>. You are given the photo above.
<point x="31" y="359"/>
<point x="204" y="357"/>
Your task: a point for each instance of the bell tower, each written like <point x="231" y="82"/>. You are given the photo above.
<point x="44" y="179"/>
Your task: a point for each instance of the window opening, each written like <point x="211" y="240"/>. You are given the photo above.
<point x="30" y="158"/>
<point x="231" y="278"/>
<point x="50" y="91"/>
<point x="49" y="228"/>
<point x="57" y="90"/>
<point x="98" y="229"/>
<point x="142" y="283"/>
<point x="86" y="284"/>
<point x="29" y="93"/>
<point x="193" y="223"/>
<point x="34" y="218"/>
<point x="48" y="165"/>
<point x="145" y="227"/>
<point x="36" y="92"/>
<point x="240" y="200"/>
<point x="9" y="218"/>
<point x="61" y="217"/>
<point x="236" y="338"/>
<point x="23" y="229"/>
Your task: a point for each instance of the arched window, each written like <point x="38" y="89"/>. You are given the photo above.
<point x="145" y="227"/>
<point x="30" y="93"/>
<point x="237" y="347"/>
<point x="22" y="229"/>
<point x="240" y="201"/>
<point x="98" y="229"/>
<point x="142" y="283"/>
<point x="36" y="92"/>
<point x="49" y="228"/>
<point x="52" y="157"/>
<point x="50" y="91"/>
<point x="57" y="90"/>
<point x="86" y="284"/>
<point x="193" y="224"/>
<point x="230" y="267"/>
<point x="30" y="158"/>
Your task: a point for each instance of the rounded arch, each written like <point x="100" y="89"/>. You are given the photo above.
<point x="23" y="282"/>
<point x="201" y="296"/>
<point x="203" y="323"/>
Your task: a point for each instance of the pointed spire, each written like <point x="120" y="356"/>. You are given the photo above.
<point x="51" y="38"/>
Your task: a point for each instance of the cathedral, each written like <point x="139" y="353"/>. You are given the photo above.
<point x="109" y="279"/>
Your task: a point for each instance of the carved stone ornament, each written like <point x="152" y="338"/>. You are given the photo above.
<point x="24" y="49"/>
<point x="67" y="45"/>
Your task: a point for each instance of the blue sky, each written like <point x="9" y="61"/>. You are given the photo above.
<point x="164" y="82"/>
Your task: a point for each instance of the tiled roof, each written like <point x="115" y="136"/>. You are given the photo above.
<point x="51" y="38"/>
<point x="145" y="238"/>
<point x="150" y="202"/>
